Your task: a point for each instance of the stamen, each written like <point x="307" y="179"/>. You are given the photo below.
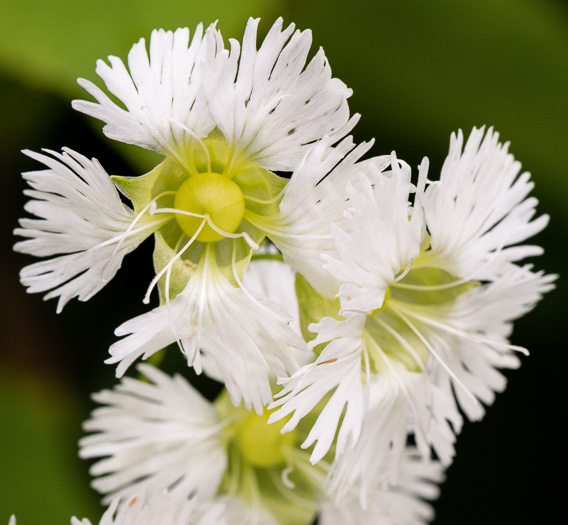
<point x="269" y="201"/>
<point x="242" y="287"/>
<point x="402" y="341"/>
<point x="403" y="274"/>
<point x="155" y="280"/>
<point x="209" y="251"/>
<point x="315" y="473"/>
<point x="435" y="354"/>
<point x="132" y="232"/>
<point x="457" y="331"/>
<point x="206" y="217"/>
<point x="401" y="384"/>
<point x="294" y="497"/>
<point x="173" y="325"/>
<point x="428" y="287"/>
<point x="163" y="141"/>
<point x="286" y="479"/>
<point x="157" y="211"/>
<point x="229" y="166"/>
<point x="244" y="235"/>
<point x="200" y="142"/>
<point x="367" y="364"/>
<point x="138" y="217"/>
<point x="235" y="471"/>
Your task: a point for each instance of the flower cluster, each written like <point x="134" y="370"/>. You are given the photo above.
<point x="342" y="302"/>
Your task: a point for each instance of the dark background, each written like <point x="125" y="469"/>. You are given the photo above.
<point x="419" y="71"/>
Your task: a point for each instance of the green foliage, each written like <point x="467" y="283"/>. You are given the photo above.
<point x="40" y="482"/>
<point x="52" y="43"/>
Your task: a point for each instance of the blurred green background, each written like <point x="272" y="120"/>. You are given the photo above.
<point x="419" y="70"/>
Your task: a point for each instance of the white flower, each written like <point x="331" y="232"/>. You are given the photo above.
<point x="339" y="366"/>
<point x="415" y="335"/>
<point x="82" y="222"/>
<point x="402" y="503"/>
<point x="160" y="509"/>
<point x="162" y="436"/>
<point x="222" y="120"/>
<point x="154" y="437"/>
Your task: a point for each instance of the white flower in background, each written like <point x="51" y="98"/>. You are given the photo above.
<point x="222" y="119"/>
<point x="154" y="436"/>
<point x="408" y="333"/>
<point x="388" y="504"/>
<point x="160" y="509"/>
<point x="162" y="438"/>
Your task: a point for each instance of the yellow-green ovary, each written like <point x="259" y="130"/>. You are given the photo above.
<point x="262" y="444"/>
<point x="214" y="195"/>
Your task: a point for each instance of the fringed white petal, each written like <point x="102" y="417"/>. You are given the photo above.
<point x="160" y="91"/>
<point x="248" y="337"/>
<point x="379" y="239"/>
<point x="153" y="436"/>
<point x="314" y="199"/>
<point x="268" y="103"/>
<point x="480" y="208"/>
<point x="399" y="402"/>
<point x="82" y="221"/>
<point x="337" y="372"/>
<point x="276" y="281"/>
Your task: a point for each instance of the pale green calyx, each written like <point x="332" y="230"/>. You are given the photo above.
<point x="209" y="194"/>
<point x="389" y="330"/>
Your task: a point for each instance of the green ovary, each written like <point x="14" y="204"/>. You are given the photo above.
<point x="213" y="195"/>
<point x="261" y="444"/>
